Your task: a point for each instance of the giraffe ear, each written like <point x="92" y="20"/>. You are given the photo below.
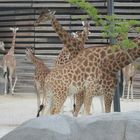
<point x="74" y="34"/>
<point x="16" y="29"/>
<point x="89" y="33"/>
<point x="83" y="23"/>
<point x="11" y="28"/>
<point x="52" y="12"/>
<point x="86" y="23"/>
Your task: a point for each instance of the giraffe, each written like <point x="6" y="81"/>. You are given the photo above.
<point x="41" y="70"/>
<point x="81" y="98"/>
<point x="9" y="64"/>
<point x="72" y="44"/>
<point x="92" y="71"/>
<point x="2" y="50"/>
<point x="2" y="46"/>
<point x="128" y="75"/>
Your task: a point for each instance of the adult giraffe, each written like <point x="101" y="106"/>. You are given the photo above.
<point x="72" y="45"/>
<point x="92" y="71"/>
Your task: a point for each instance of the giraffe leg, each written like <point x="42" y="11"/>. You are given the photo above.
<point x="58" y="103"/>
<point x="10" y="79"/>
<point x="79" y="102"/>
<point x="47" y="106"/>
<point x="87" y="104"/>
<point x="38" y="95"/>
<point x="108" y="101"/>
<point x="128" y="91"/>
<point x="13" y="88"/>
<point x="124" y="84"/>
<point x="102" y="104"/>
<point x="6" y="85"/>
<point x="132" y="92"/>
<point x="88" y="96"/>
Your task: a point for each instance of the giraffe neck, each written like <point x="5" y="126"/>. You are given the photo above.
<point x="64" y="36"/>
<point x="12" y="49"/>
<point x="120" y="59"/>
<point x="84" y="37"/>
<point x="35" y="60"/>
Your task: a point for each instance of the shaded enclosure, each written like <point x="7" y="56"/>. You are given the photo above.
<point x="44" y="40"/>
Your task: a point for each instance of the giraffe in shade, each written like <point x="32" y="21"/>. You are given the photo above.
<point x="92" y="71"/>
<point x="9" y="65"/>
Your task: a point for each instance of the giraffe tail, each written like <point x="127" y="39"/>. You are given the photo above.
<point x="40" y="108"/>
<point x="74" y="105"/>
<point x="6" y="73"/>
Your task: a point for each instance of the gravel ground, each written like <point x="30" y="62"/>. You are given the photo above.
<point x="19" y="108"/>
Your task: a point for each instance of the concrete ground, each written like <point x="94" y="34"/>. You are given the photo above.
<point x="19" y="108"/>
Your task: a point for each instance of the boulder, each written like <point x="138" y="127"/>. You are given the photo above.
<point x="105" y="126"/>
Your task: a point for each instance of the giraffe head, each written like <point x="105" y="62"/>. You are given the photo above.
<point x="84" y="34"/>
<point x="2" y="45"/>
<point x="29" y="53"/>
<point x="46" y="14"/>
<point x="86" y="27"/>
<point x="14" y="29"/>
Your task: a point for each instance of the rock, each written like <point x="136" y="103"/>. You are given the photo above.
<point x="110" y="126"/>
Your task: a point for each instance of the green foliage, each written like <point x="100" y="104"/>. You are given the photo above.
<point x="112" y="27"/>
<point x="90" y="10"/>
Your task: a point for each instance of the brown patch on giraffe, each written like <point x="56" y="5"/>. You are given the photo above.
<point x="103" y="54"/>
<point x="109" y="51"/>
<point x="91" y="57"/>
<point x="70" y="74"/>
<point x="93" y="69"/>
<point x="111" y="56"/>
<point x="74" y="78"/>
<point x="85" y="63"/>
<point x="96" y="54"/>
<point x="88" y="69"/>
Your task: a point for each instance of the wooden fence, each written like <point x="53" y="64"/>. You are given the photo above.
<point x="43" y="39"/>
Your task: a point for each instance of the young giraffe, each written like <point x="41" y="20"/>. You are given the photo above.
<point x="92" y="71"/>
<point x="2" y="48"/>
<point x="9" y="63"/>
<point x="72" y="45"/>
<point x="41" y="71"/>
<point x="128" y="75"/>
